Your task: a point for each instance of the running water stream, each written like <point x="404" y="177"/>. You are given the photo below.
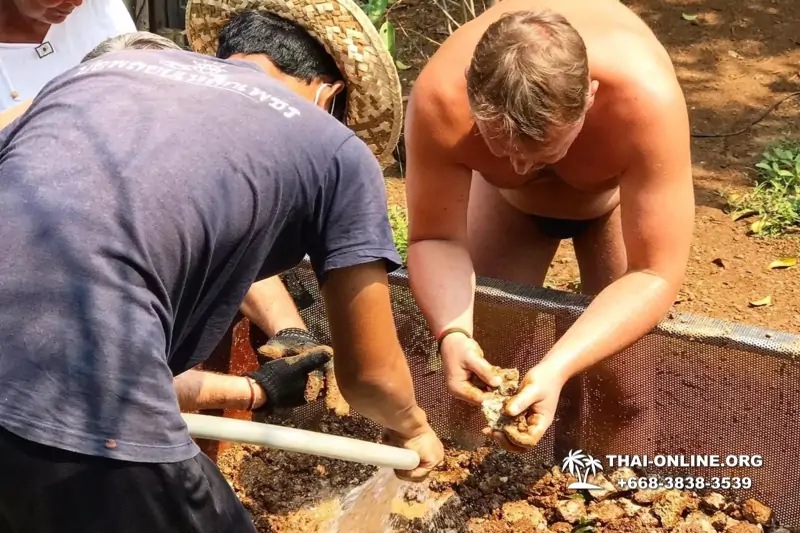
<point x="369" y="507"/>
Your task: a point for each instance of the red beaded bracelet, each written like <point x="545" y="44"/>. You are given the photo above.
<point x="440" y="337"/>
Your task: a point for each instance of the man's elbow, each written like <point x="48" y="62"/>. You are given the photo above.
<point x="665" y="278"/>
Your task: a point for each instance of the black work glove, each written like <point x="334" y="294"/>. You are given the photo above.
<point x="285" y="380"/>
<point x="287" y="342"/>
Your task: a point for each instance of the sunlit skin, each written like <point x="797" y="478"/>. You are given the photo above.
<point x="625" y="168"/>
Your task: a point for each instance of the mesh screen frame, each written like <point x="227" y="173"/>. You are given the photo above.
<point x="694" y="385"/>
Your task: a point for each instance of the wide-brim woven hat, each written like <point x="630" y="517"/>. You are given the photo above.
<point x="374" y="94"/>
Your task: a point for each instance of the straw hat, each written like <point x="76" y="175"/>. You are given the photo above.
<point x="375" y="104"/>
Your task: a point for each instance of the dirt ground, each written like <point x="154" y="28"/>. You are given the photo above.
<point x="482" y="491"/>
<point x="734" y="60"/>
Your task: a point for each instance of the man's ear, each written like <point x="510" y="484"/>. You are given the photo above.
<point x="328" y="93"/>
<point x="593" y="86"/>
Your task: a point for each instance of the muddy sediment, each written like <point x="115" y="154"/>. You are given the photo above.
<point x="482" y="491"/>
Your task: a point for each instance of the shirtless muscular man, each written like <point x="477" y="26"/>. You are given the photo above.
<point x="538" y="121"/>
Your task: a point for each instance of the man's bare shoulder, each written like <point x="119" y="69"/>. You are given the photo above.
<point x="439" y="108"/>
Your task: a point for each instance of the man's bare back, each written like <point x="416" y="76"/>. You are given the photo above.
<point x="624" y="57"/>
<point x="536" y="122"/>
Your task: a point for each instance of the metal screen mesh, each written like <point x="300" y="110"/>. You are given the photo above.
<point x="693" y="386"/>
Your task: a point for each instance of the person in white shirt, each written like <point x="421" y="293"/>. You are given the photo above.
<point x="40" y="39"/>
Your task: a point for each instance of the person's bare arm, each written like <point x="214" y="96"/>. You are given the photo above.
<point x="198" y="390"/>
<point x="657" y="208"/>
<point x="441" y="274"/>
<point x="9" y="115"/>
<point x="371" y="369"/>
<point x="269" y="306"/>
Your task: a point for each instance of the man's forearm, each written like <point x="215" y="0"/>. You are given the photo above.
<point x="198" y="390"/>
<point x="384" y="394"/>
<point x="442" y="280"/>
<point x="269" y="306"/>
<point x="371" y="369"/>
<point x="619" y="315"/>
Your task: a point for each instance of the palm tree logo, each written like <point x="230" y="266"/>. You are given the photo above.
<point x="580" y="465"/>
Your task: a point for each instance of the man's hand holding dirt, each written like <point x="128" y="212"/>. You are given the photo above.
<point x="462" y="359"/>
<point x="285" y="380"/>
<point x="537" y="400"/>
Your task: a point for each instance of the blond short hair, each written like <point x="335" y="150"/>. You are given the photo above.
<point x="529" y="74"/>
<point x="138" y="40"/>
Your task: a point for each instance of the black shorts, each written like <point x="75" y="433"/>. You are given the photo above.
<point x="47" y="490"/>
<point x="561" y="228"/>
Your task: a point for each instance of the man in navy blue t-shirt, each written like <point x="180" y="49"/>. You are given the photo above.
<point x="143" y="193"/>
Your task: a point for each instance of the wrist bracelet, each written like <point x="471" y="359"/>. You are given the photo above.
<point x="296" y="332"/>
<point x="440" y="337"/>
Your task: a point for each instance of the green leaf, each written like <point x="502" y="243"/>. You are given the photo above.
<point x="375" y="10"/>
<point x="687" y="16"/>
<point x="402" y="66"/>
<point x="797" y="165"/>
<point x="387" y="33"/>
<point x="785" y="174"/>
<point x="763" y="166"/>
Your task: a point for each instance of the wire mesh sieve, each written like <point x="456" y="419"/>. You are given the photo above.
<point x="692" y="386"/>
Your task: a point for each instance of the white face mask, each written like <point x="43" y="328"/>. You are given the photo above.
<point x="319" y="92"/>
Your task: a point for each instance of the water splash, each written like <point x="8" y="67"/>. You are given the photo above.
<point x="383" y="502"/>
<point x="368" y="507"/>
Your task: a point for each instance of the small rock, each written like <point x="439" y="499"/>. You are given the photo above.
<point x="605" y="511"/>
<point x="515" y="512"/>
<point x="609" y="489"/>
<point x="630" y="508"/>
<point x="622" y="473"/>
<point x="692" y="502"/>
<point x="544" y="501"/>
<point x="669" y="506"/>
<point x="647" y="495"/>
<point x="571" y="510"/>
<point x="561" y="527"/>
<point x="648" y="519"/>
<point x="756" y="512"/>
<point x="702" y="521"/>
<point x="744" y="527"/>
<point x="713" y="501"/>
<point x="685" y="527"/>
<point x="720" y="521"/>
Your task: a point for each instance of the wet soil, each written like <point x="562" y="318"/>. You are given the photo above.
<point x="482" y="491"/>
<point x="733" y="61"/>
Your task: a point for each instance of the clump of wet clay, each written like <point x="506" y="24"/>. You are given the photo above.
<point x="323" y="382"/>
<point x="314" y="385"/>
<point x="334" y="401"/>
<point x="515" y="428"/>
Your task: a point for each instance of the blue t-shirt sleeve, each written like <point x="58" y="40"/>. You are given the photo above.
<point x="353" y="225"/>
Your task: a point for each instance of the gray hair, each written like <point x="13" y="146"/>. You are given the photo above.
<point x="139" y="40"/>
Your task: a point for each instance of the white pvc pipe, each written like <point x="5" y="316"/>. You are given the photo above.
<point x="300" y="441"/>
